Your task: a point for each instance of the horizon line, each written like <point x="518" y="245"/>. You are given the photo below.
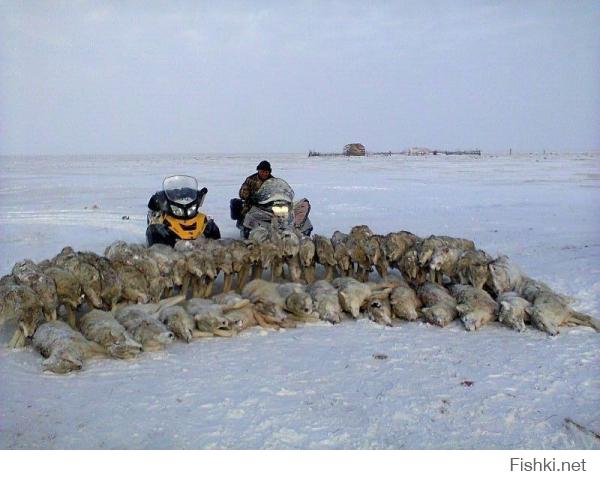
<point x="506" y="151"/>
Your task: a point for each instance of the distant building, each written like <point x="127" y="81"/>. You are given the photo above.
<point x="354" y="150"/>
<point x="419" y="151"/>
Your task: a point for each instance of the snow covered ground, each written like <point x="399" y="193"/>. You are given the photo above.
<point x="320" y="386"/>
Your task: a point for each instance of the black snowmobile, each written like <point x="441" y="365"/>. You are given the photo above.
<point x="174" y="213"/>
<point x="273" y="206"/>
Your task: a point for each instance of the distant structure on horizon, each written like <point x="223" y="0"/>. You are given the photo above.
<point x="354" y="150"/>
<point x="358" y="150"/>
<point x="421" y="151"/>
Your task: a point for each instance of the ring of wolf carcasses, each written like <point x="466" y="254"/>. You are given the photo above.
<point x="78" y="305"/>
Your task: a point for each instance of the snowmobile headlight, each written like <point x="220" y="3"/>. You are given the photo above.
<point x="280" y="209"/>
<point x="192" y="210"/>
<point x="180" y="212"/>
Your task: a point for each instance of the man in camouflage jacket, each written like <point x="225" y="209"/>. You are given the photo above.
<point x="253" y="183"/>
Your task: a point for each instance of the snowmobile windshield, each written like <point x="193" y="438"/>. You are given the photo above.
<point x="273" y="190"/>
<point x="181" y="189"/>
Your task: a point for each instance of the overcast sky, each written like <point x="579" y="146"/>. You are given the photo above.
<point x="189" y="76"/>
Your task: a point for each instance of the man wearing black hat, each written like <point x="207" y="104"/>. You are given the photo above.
<point x="253" y="183"/>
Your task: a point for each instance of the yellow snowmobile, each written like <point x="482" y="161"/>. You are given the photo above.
<point x="174" y="213"/>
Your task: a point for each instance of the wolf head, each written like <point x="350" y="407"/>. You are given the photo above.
<point x="299" y="303"/>
<point x="544" y="321"/>
<point x="125" y="348"/>
<point x="379" y="312"/>
<point x="350" y="303"/>
<point x="509" y="316"/>
<point x="437" y="315"/>
<point x="62" y="362"/>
